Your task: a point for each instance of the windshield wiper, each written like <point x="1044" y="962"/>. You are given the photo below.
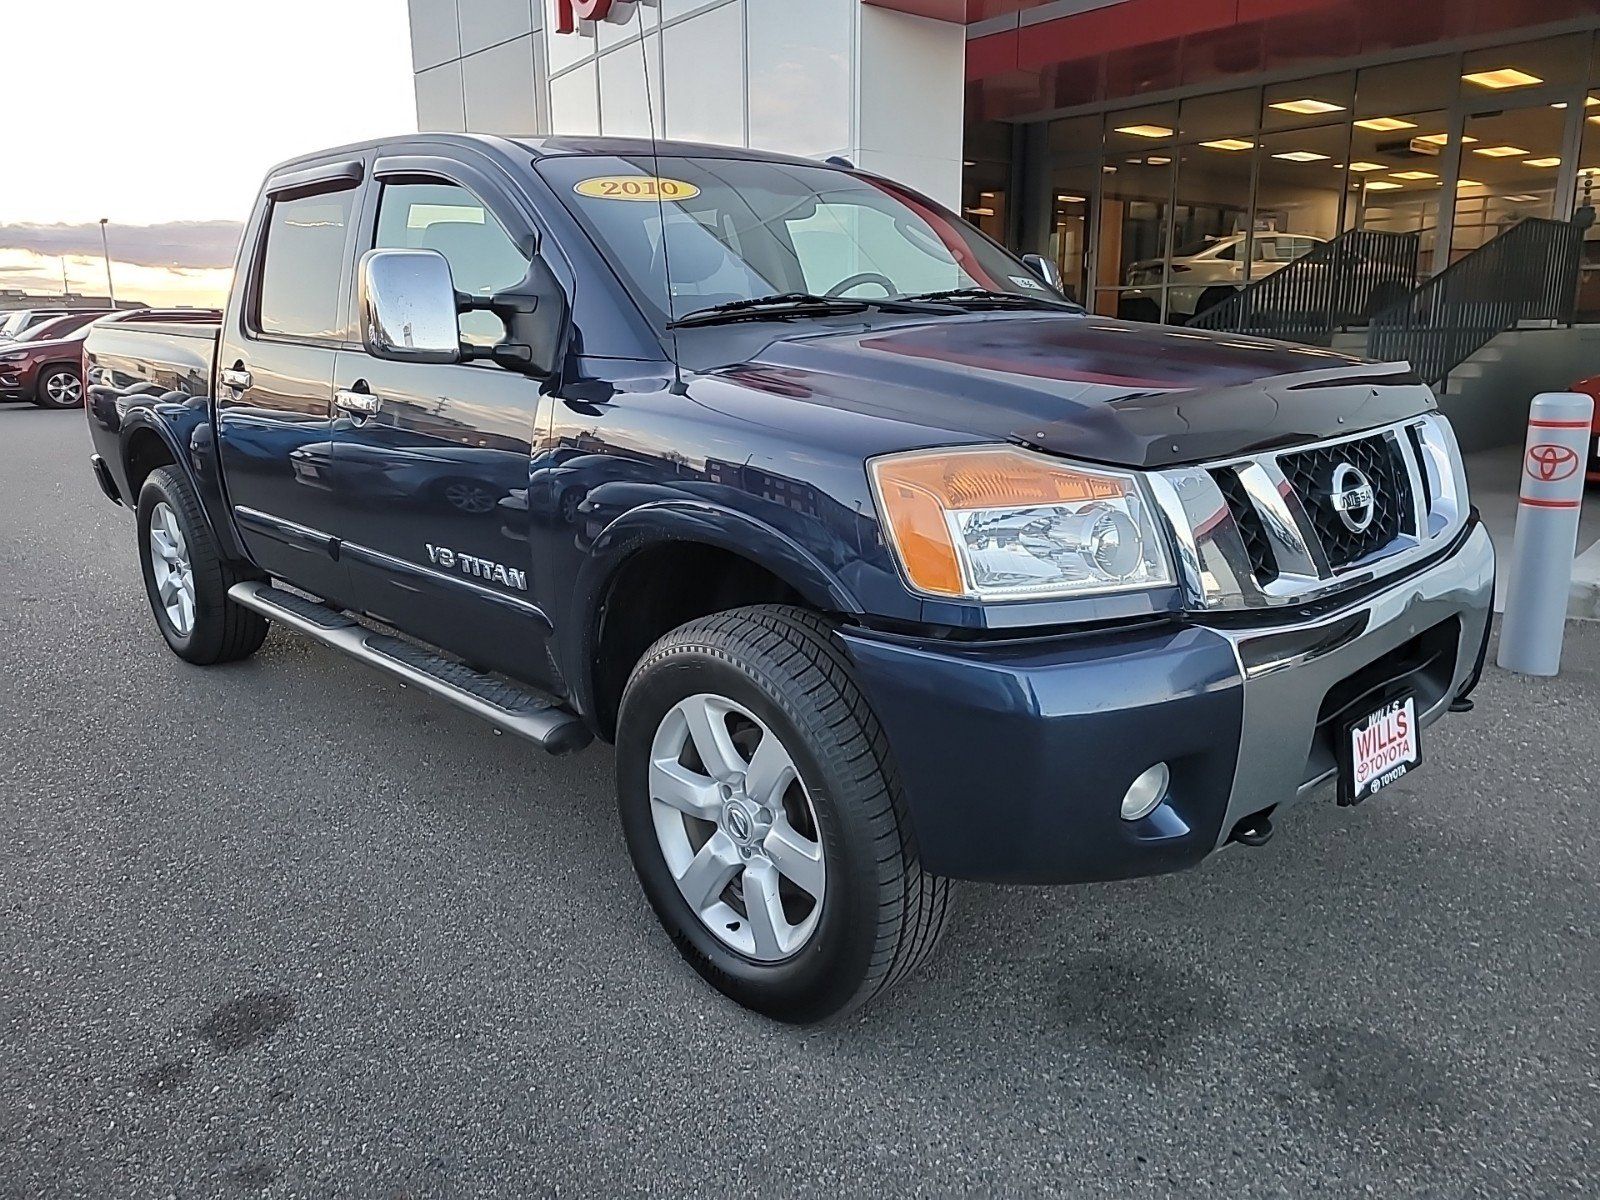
<point x="975" y="296"/>
<point x="797" y="304"/>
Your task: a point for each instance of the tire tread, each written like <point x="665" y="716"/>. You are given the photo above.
<point x="243" y="631"/>
<point x="799" y="645"/>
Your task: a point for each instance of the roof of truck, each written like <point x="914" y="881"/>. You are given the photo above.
<point x="634" y="147"/>
<point x="545" y="147"/>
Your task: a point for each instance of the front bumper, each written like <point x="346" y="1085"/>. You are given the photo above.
<point x="1015" y="757"/>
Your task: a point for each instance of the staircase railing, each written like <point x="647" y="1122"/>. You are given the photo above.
<point x="1527" y="273"/>
<point x="1337" y="285"/>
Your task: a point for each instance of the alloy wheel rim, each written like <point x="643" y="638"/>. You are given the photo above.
<point x="169" y="562"/>
<point x="736" y="827"/>
<point x="62" y="388"/>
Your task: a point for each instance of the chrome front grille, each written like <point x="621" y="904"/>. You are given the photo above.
<point x="1380" y="460"/>
<point x="1257" y="545"/>
<point x="1288" y="526"/>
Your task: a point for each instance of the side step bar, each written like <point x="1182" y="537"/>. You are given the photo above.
<point x="515" y="709"/>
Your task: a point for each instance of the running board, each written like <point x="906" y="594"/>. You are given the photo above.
<point x="516" y="709"/>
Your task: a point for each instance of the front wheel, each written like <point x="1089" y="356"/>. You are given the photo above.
<point x="765" y="818"/>
<point x="59" y="387"/>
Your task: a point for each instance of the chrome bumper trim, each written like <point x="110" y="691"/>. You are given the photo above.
<point x="1282" y="699"/>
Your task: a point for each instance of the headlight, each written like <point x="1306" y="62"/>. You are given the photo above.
<point x="14" y="356"/>
<point x="1000" y="523"/>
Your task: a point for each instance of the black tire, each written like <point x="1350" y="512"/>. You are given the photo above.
<point x="881" y="915"/>
<point x="222" y="631"/>
<point x="1212" y="297"/>
<point x="62" y="379"/>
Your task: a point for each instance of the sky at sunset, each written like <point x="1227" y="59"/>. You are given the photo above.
<point x="168" y="116"/>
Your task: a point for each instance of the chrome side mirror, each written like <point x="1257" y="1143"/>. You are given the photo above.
<point x="408" y="306"/>
<point x="1045" y="268"/>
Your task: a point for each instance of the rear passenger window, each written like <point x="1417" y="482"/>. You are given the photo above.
<point x="441" y="216"/>
<point x="304" y="262"/>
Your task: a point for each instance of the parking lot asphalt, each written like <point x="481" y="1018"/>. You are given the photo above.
<point x="283" y="928"/>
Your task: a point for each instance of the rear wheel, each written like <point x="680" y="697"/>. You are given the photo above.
<point x="765" y="818"/>
<point x="187" y="580"/>
<point x="59" y="387"/>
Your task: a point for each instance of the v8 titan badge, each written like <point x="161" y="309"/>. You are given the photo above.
<point x="1381" y="747"/>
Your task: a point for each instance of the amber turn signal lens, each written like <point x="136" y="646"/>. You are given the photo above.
<point x="916" y="492"/>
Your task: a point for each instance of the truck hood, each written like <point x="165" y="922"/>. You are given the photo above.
<point x="1107" y="391"/>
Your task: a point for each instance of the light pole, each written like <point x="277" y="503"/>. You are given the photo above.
<point x="105" y="250"/>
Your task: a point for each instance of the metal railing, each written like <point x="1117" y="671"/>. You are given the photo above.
<point x="1527" y="273"/>
<point x="1339" y="284"/>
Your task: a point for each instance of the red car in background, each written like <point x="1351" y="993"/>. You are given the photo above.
<point x="1591" y="387"/>
<point x="45" y="364"/>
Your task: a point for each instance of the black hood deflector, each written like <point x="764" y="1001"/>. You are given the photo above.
<point x="1106" y="391"/>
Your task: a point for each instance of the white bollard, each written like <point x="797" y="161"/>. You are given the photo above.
<point x="1547" y="532"/>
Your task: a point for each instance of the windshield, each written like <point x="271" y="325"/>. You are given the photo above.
<point x="740" y="230"/>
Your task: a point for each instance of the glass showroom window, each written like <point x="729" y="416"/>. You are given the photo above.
<point x="1400" y="151"/>
<point x="1299" y="195"/>
<point x="1136" y="212"/>
<point x="1589" y="197"/>
<point x="1211" y="214"/>
<point x="1073" y="154"/>
<point x="1510" y="170"/>
<point x="986" y="178"/>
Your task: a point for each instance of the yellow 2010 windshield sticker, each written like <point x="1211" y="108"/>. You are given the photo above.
<point x="636" y="187"/>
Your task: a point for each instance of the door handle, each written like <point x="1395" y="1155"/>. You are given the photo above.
<point x="236" y="378"/>
<point x="357" y="404"/>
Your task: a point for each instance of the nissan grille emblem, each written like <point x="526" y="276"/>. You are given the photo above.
<point x="1352" y="498"/>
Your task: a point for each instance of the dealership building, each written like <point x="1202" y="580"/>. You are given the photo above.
<point x="1403" y="179"/>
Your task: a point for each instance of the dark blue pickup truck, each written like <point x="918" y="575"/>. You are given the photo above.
<point x="881" y="564"/>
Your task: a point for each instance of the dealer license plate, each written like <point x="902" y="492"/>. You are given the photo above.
<point x="1381" y="748"/>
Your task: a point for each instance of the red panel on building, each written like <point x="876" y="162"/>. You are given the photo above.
<point x="1136" y="47"/>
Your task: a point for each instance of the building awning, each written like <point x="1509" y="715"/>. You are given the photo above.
<point x="962" y="12"/>
<point x="1030" y="56"/>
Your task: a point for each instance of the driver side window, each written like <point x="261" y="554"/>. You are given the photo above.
<point x="447" y="218"/>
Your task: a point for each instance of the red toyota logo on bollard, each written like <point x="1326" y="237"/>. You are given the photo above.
<point x="1548" y="463"/>
<point x="570" y="12"/>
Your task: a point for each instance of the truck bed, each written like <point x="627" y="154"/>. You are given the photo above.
<point x="151" y="358"/>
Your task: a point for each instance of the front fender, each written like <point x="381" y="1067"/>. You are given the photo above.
<point x="695" y="522"/>
<point x="713" y="525"/>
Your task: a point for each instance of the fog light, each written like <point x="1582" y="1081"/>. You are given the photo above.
<point x="1146" y="793"/>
